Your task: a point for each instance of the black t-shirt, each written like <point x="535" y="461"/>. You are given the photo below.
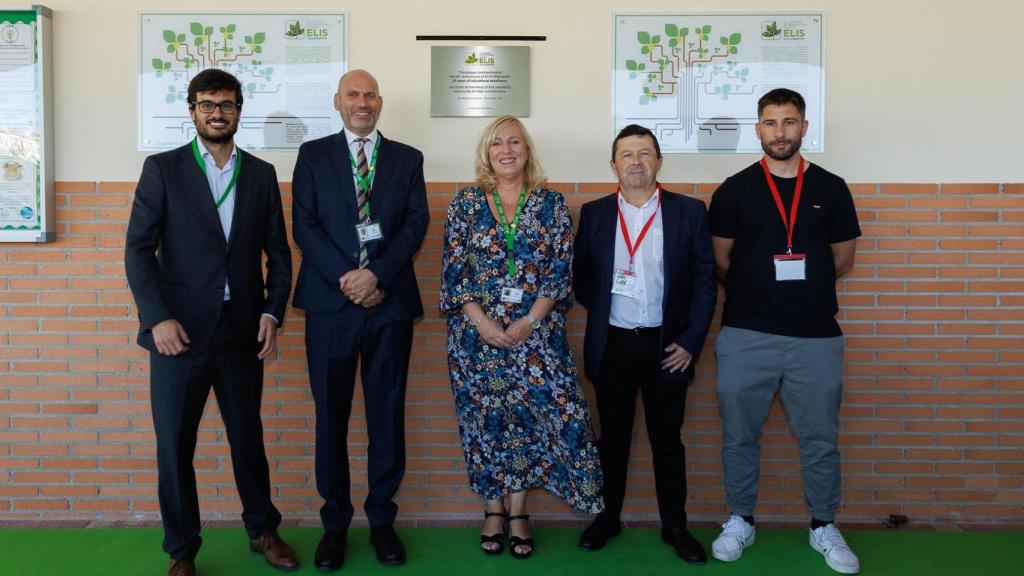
<point x="743" y="209"/>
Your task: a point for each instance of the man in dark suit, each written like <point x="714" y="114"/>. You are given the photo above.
<point x="204" y="215"/>
<point x="359" y="216"/>
<point x="645" y="272"/>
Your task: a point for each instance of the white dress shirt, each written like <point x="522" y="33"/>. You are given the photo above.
<point x="368" y="147"/>
<point x="219" y="178"/>
<point x="644" y="309"/>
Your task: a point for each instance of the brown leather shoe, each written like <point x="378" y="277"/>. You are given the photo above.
<point x="181" y="568"/>
<point x="277" y="552"/>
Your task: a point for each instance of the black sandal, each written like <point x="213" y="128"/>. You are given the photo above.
<point x="498" y="538"/>
<point x="515" y="541"/>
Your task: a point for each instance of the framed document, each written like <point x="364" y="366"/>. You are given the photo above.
<point x="288" y="64"/>
<point x="26" y="131"/>
<point x="695" y="78"/>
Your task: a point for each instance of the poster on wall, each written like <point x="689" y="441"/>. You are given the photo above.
<point x="288" y="65"/>
<point x="694" y="78"/>
<point x="26" y="176"/>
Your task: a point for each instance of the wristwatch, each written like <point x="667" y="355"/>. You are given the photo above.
<point x="534" y="322"/>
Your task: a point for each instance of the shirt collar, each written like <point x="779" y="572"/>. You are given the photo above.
<point x="646" y="205"/>
<point x="208" y="157"/>
<point x="372" y="137"/>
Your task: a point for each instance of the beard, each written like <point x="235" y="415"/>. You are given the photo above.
<point x="791" y="148"/>
<point x="222" y="136"/>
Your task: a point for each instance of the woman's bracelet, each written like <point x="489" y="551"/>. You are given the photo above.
<point x="475" y="322"/>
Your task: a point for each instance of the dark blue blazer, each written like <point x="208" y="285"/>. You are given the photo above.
<point x="324" y="217"/>
<point x="176" y="257"/>
<point x="690" y="287"/>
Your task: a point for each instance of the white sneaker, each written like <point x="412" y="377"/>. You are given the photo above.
<point x="836" y="551"/>
<point x="736" y="535"/>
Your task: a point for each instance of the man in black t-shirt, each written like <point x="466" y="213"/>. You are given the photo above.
<point x="783" y="231"/>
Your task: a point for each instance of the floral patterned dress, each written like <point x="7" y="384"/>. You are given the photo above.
<point x="522" y="416"/>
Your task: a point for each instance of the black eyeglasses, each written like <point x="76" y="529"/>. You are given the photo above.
<point x="208" y="106"/>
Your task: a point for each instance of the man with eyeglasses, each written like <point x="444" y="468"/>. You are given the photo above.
<point x="204" y="216"/>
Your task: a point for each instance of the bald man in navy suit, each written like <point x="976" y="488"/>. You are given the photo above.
<point x="359" y="216"/>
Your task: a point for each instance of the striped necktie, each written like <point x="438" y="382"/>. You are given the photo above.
<point x="362" y="198"/>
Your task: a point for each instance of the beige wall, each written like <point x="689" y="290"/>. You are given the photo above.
<point x="932" y="424"/>
<point x="917" y="90"/>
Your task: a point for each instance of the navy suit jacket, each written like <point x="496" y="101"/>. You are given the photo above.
<point x="690" y="288"/>
<point x="176" y="257"/>
<point x="324" y="217"/>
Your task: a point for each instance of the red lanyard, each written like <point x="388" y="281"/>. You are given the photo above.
<point x="630" y="247"/>
<point x="791" y="223"/>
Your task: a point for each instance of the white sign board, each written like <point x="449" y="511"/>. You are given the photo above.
<point x="26" y="109"/>
<point x="288" y="64"/>
<point x="694" y="79"/>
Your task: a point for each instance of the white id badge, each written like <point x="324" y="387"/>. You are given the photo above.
<point x="790" y="267"/>
<point x="369" y="232"/>
<point x="624" y="283"/>
<point x="512" y="295"/>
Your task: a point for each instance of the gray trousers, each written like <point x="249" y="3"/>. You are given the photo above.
<point x="807" y="374"/>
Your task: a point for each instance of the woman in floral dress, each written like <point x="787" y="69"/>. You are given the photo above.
<point x="505" y="286"/>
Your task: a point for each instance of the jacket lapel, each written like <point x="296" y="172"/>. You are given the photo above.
<point x="343" y="172"/>
<point x="382" y="176"/>
<point x="200" y="197"/>
<point x="671" y="223"/>
<point x="608" y="227"/>
<point x="242" y="195"/>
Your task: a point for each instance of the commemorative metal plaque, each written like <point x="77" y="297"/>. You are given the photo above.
<point x="479" y="80"/>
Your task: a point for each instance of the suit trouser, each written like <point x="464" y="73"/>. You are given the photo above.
<point x="808" y="375"/>
<point x="632" y="363"/>
<point x="335" y="345"/>
<point x="179" y="387"/>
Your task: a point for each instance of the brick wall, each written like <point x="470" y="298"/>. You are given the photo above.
<point x="932" y="423"/>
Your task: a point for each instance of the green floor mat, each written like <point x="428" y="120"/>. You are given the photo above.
<point x="455" y="552"/>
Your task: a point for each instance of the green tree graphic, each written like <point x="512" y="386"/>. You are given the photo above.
<point x="295" y="29"/>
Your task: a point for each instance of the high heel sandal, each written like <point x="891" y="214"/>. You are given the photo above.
<point x="515" y="541"/>
<point x="498" y="538"/>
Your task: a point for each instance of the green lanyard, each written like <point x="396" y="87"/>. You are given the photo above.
<point x="510" y="231"/>
<point x="234" y="175"/>
<point x="366" y="182"/>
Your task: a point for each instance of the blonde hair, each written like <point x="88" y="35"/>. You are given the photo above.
<point x="533" y="174"/>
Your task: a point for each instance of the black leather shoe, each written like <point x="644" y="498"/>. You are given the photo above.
<point x="600" y="530"/>
<point x="330" y="552"/>
<point x="385" y="541"/>
<point x="687" y="547"/>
